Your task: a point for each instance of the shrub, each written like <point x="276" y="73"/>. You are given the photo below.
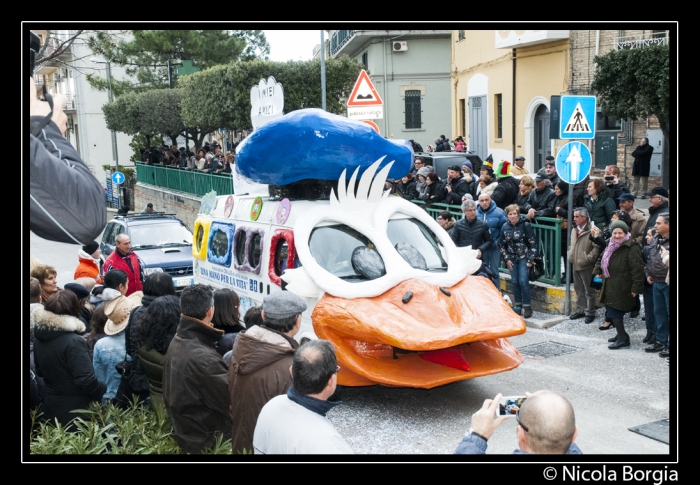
<point x="110" y="430"/>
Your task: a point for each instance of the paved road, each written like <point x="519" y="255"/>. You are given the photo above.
<point x="611" y="391"/>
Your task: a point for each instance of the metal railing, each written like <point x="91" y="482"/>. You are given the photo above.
<point x="188" y="181"/>
<point x="548" y="234"/>
<point x="339" y="39"/>
<point x="637" y="42"/>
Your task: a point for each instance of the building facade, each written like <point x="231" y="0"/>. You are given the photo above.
<point x="411" y="71"/>
<point x="87" y="129"/>
<point x="503" y="82"/>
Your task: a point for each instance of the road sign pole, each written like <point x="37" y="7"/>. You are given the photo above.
<point x="567" y="236"/>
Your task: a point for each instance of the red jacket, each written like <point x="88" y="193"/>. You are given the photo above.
<point x="117" y="261"/>
<point x="87" y="268"/>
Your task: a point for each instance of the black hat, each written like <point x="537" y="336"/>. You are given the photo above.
<point x="517" y="159"/>
<point x="79" y="290"/>
<point x="541" y="177"/>
<point x="456" y="168"/>
<point x="626" y="196"/>
<point x="658" y="191"/>
<point x="91" y="247"/>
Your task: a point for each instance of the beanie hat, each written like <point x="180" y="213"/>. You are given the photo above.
<point x="468" y="164"/>
<point x="503" y="169"/>
<point x="619" y="225"/>
<point x="91" y="247"/>
<point x="423" y="171"/>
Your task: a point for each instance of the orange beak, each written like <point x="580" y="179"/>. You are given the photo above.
<point x="428" y="341"/>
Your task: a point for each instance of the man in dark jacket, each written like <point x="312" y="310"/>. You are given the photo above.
<point x="456" y="186"/>
<point x="442" y="144"/>
<point x="641" y="166"/>
<point x="66" y="201"/>
<point x="656" y="273"/>
<point x="195" y="377"/>
<point x="470" y="231"/>
<point x="260" y="362"/>
<point x="494" y="217"/>
<point x="550" y="170"/>
<point x="508" y="186"/>
<point x="542" y="199"/>
<point x="546" y="425"/>
<point x="658" y="204"/>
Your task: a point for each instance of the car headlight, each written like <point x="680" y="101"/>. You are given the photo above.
<point x="149" y="271"/>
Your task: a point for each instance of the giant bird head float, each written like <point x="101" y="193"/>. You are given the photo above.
<point x="394" y="294"/>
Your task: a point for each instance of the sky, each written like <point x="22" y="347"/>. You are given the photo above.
<point x="292" y="45"/>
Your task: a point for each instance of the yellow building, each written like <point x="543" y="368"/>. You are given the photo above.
<point x="503" y="81"/>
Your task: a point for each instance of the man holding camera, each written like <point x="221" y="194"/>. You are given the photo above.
<point x="66" y="201"/>
<point x="616" y="186"/>
<point x="546" y="425"/>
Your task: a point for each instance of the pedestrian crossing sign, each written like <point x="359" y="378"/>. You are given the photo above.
<point x="578" y="115"/>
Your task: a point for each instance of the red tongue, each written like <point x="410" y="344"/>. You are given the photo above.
<point x="449" y="357"/>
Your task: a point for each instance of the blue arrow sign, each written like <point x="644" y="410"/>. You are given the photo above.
<point x="118" y="178"/>
<point x="573" y="162"/>
<point x="577" y="121"/>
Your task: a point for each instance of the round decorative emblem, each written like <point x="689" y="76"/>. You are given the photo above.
<point x="229" y="206"/>
<point x="283" y="211"/>
<point x="256" y="209"/>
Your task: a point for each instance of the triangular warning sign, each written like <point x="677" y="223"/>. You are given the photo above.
<point x="578" y="122"/>
<point x="364" y="94"/>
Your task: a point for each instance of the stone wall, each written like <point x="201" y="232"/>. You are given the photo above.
<point x="184" y="206"/>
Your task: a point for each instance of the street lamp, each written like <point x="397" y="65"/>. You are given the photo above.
<point x="115" y="155"/>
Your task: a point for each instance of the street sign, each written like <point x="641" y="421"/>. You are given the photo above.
<point x="364" y="93"/>
<point x="118" y="178"/>
<point x="365" y="112"/>
<point x="577" y="119"/>
<point x="573" y="162"/>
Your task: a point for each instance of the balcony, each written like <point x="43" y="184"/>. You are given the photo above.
<point x="339" y="39"/>
<point x="635" y="42"/>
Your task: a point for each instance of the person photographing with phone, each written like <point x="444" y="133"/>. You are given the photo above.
<point x="67" y="202"/>
<point x="546" y="425"/>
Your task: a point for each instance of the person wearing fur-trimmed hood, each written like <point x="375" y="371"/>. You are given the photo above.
<point x="62" y="358"/>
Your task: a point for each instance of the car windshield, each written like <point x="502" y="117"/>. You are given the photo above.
<point x="160" y="235"/>
<point x="414" y="233"/>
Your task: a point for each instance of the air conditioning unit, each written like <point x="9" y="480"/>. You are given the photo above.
<point x="400" y="46"/>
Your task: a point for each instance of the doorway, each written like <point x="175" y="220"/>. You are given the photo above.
<point x="541" y="142"/>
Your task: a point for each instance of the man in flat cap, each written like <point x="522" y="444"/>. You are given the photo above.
<point x="260" y="362"/>
<point x="519" y="166"/>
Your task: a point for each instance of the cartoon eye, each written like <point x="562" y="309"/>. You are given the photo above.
<point x="368" y="262"/>
<point x="416" y="244"/>
<point x="411" y="255"/>
<point x="337" y="249"/>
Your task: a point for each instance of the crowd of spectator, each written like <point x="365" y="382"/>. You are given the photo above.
<point x="208" y="159"/>
<point x="251" y="382"/>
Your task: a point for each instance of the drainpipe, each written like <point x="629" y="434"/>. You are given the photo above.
<point x="515" y="54"/>
<point x="386" y="111"/>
